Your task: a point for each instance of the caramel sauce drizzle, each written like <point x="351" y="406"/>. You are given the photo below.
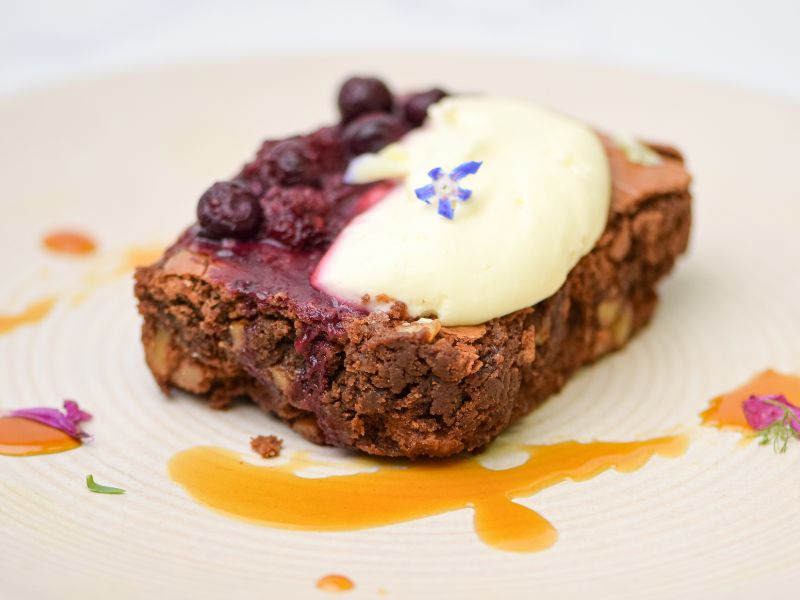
<point x="33" y="313"/>
<point x="25" y="437"/>
<point x="279" y="497"/>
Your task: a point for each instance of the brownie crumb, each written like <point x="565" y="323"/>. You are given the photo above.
<point x="268" y="446"/>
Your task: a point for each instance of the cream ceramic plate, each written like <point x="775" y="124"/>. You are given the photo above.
<point x="125" y="157"/>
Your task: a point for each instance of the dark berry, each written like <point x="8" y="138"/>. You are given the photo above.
<point x="372" y="132"/>
<point x="326" y="146"/>
<point x="228" y="209"/>
<point x="415" y="109"/>
<point x="291" y="163"/>
<point x="296" y="216"/>
<point x="360" y="95"/>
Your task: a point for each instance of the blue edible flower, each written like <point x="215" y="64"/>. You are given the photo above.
<point x="445" y="187"/>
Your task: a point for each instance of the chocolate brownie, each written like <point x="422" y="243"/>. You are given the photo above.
<point x="230" y="313"/>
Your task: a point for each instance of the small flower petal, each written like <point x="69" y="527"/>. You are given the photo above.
<point x="74" y="412"/>
<point x="763" y="411"/>
<point x="436" y="173"/>
<point x="426" y="193"/>
<point x="68" y="421"/>
<point x="446" y="208"/>
<point x="463" y="194"/>
<point x="468" y="168"/>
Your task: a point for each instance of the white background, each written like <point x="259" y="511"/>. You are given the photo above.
<point x="751" y="43"/>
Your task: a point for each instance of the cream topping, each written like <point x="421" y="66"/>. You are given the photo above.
<point x="539" y="203"/>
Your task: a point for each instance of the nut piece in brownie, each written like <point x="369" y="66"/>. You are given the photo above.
<point x="230" y="312"/>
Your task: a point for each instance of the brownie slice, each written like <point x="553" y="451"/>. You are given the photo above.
<point x="231" y="319"/>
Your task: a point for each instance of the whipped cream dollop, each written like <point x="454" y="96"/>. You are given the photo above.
<point x="539" y="203"/>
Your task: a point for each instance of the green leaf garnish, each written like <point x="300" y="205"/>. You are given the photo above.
<point x="101" y="489"/>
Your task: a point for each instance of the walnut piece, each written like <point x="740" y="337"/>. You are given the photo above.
<point x="427" y="329"/>
<point x="615" y="317"/>
<point x="280" y="377"/>
<point x="156" y="353"/>
<point x="466" y="332"/>
<point x="623" y="326"/>
<point x="190" y="376"/>
<point x="607" y="312"/>
<point x="236" y="331"/>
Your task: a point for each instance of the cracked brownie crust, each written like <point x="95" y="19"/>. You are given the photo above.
<point x="386" y="386"/>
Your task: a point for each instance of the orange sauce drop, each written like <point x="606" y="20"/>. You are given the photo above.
<point x="69" y="242"/>
<point x="725" y="411"/>
<point x="139" y="256"/>
<point x="24" y="437"/>
<point x="34" y="312"/>
<point x="278" y="497"/>
<point x="335" y="583"/>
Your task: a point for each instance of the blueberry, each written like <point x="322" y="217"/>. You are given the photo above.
<point x="416" y="106"/>
<point x="370" y="133"/>
<point x="228" y="209"/>
<point x="360" y="95"/>
<point x="291" y="163"/>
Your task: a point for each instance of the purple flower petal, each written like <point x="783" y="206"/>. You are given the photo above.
<point x="426" y="193"/>
<point x="446" y="208"/>
<point x="436" y="173"/>
<point x="763" y="411"/>
<point x="468" y="168"/>
<point x="463" y="194"/>
<point x="68" y="421"/>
